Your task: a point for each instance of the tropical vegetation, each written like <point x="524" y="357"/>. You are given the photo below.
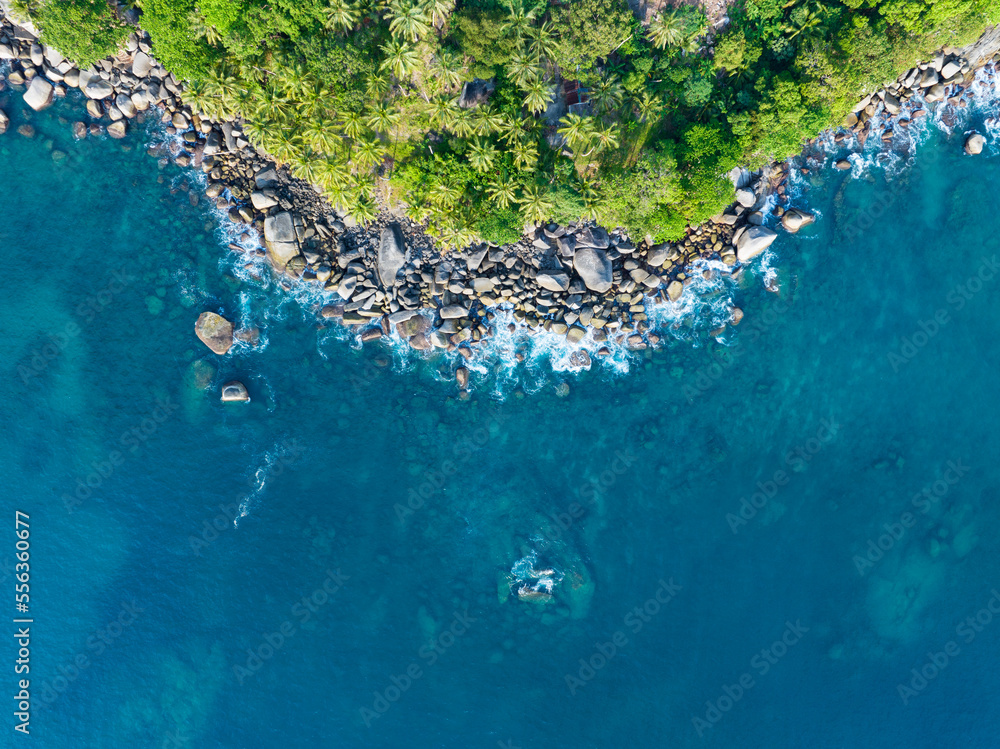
<point x="364" y="97"/>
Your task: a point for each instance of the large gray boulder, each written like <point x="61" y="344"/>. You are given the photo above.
<point x="553" y="280"/>
<point x="754" y="241"/>
<point x="125" y="105"/>
<point x="594" y="236"/>
<point x="454" y="311"/>
<point x="142" y="64"/>
<point x="594" y="267"/>
<point x="745" y="197"/>
<point x="39" y="93"/>
<point x="280" y="240"/>
<point x="391" y="255"/>
<point x="98" y="88"/>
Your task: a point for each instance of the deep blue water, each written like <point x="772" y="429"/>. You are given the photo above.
<point x="857" y="405"/>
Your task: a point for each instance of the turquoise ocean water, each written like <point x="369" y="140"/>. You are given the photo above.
<point x="785" y="536"/>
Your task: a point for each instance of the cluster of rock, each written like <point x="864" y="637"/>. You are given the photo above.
<point x="574" y="280"/>
<point x="940" y="81"/>
<point x="116" y="88"/>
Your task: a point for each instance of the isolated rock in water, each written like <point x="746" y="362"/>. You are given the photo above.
<point x="974" y="144"/>
<point x="280" y="240"/>
<point x="794" y="219"/>
<point x="4" y="122"/>
<point x="594" y="267"/>
<point x="553" y="280"/>
<point x="142" y="64"/>
<point x="117" y="129"/>
<point x="235" y="392"/>
<point x="98" y="88"/>
<point x="39" y="93"/>
<point x="391" y="256"/>
<point x="215" y="331"/>
<point x="462" y="377"/>
<point x="754" y="241"/>
<point x="843" y="165"/>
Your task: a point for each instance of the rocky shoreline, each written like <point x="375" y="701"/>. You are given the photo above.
<point x="575" y="281"/>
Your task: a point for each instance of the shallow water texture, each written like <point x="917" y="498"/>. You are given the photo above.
<point x="748" y="543"/>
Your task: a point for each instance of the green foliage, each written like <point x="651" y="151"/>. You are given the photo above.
<point x="83" y="30"/>
<point x="360" y="97"/>
<point x="499" y="225"/>
<point x="480" y="35"/>
<point x="589" y="30"/>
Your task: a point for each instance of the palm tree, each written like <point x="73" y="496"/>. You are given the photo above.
<point x="308" y="166"/>
<point x="449" y="68"/>
<point x="202" y="29"/>
<point x="604" y="139"/>
<point x="438" y="10"/>
<point x="364" y="209"/>
<point x="667" y="30"/>
<point x="440" y="111"/>
<point x="443" y="195"/>
<point x="369" y="153"/>
<point x="607" y="94"/>
<point x="537" y="96"/>
<point x="502" y="191"/>
<point x="487" y="120"/>
<point x="383" y="118"/>
<point x="408" y="19"/>
<point x="577" y="130"/>
<point x="525" y="154"/>
<point x="543" y="40"/>
<point x="648" y="105"/>
<point x="354" y="124"/>
<point x="284" y="148"/>
<point x="377" y="87"/>
<point x="535" y="204"/>
<point x="482" y="155"/>
<point x="523" y="68"/>
<point x="294" y="79"/>
<point x="341" y="15"/>
<point x="461" y="122"/>
<point x="321" y="134"/>
<point x="519" y="19"/>
<point x="401" y="59"/>
<point x="592" y="201"/>
<point x="334" y="173"/>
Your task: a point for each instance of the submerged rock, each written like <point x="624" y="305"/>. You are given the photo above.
<point x="235" y="392"/>
<point x="214" y="331"/>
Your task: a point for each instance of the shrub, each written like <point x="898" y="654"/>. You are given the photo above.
<point x="85" y="31"/>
